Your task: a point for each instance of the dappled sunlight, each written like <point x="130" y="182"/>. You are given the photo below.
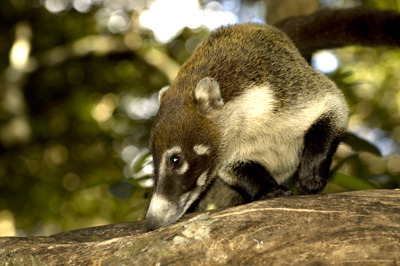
<point x="19" y="53"/>
<point x="324" y="61"/>
<point x="55" y="154"/>
<point x="71" y="182"/>
<point x="7" y="224"/>
<point x="104" y="109"/>
<point x="142" y="108"/>
<point x="215" y="14"/>
<point x="162" y="61"/>
<point x="177" y="14"/>
<point x="82" y="6"/>
<point x="96" y="44"/>
<point x="374" y="78"/>
<point x="56" y="6"/>
<point x="172" y="16"/>
<point x="115" y="21"/>
<point x="17" y="130"/>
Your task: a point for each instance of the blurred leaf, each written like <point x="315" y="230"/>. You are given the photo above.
<point x="136" y="181"/>
<point x="121" y="190"/>
<point x="360" y="144"/>
<point x="140" y="162"/>
<point x="351" y="182"/>
<point x="342" y="162"/>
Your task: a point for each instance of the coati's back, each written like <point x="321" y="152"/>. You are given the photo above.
<point x="246" y="55"/>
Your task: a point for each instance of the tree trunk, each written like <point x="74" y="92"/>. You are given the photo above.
<point x="352" y="228"/>
<point x="281" y="9"/>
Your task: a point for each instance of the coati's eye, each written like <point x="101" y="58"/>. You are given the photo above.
<point x="175" y="160"/>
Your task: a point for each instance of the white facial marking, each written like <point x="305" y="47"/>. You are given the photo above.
<point x="160" y="207"/>
<point x="173" y="150"/>
<point x="187" y="199"/>
<point x="201" y="181"/>
<point x="201" y="149"/>
<point x="183" y="199"/>
<point x="183" y="168"/>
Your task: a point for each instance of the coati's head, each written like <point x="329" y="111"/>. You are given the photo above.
<point x="184" y="145"/>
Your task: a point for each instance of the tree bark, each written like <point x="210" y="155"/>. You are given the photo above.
<point x="281" y="9"/>
<point x="352" y="228"/>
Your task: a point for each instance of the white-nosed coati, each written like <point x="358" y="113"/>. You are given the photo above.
<point x="247" y="107"/>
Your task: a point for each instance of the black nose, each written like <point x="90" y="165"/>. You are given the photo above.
<point x="147" y="229"/>
<point x="149" y="226"/>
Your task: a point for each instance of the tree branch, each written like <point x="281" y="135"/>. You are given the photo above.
<point x="359" y="228"/>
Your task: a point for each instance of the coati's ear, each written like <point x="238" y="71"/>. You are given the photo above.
<point x="208" y="95"/>
<point x="161" y="93"/>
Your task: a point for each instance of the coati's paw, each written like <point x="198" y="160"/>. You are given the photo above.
<point x="311" y="185"/>
<point x="280" y="192"/>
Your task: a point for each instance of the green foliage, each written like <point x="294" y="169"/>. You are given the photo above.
<point x="360" y="144"/>
<point x="76" y="101"/>
<point x="351" y="182"/>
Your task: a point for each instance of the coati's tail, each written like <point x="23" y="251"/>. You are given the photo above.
<point x="332" y="28"/>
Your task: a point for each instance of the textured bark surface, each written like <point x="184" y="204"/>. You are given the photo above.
<point x="352" y="228"/>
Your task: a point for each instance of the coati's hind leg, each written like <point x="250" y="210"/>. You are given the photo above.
<point x="252" y="181"/>
<point x="320" y="144"/>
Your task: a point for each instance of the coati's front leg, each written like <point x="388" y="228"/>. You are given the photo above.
<point x="320" y="144"/>
<point x="252" y="181"/>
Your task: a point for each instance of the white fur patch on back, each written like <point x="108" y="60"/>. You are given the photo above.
<point x="201" y="149"/>
<point x="253" y="131"/>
